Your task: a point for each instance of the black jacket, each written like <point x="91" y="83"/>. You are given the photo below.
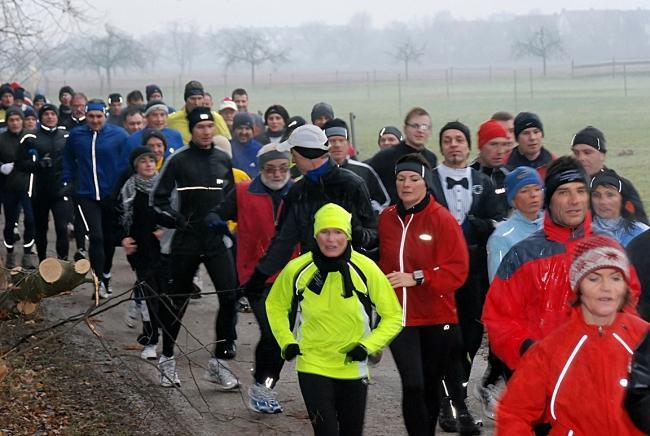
<point x="201" y="179"/>
<point x="638" y="250"/>
<point x="498" y="177"/>
<point x="305" y="197"/>
<point x="264" y="137"/>
<point x="384" y="164"/>
<point x="141" y="230"/>
<point x="379" y="197"/>
<point x="637" y="400"/>
<point x="17" y="180"/>
<point x="43" y="143"/>
<point x="71" y="122"/>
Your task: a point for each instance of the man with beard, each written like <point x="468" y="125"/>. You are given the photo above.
<point x="256" y="206"/>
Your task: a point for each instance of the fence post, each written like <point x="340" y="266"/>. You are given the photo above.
<point x="374" y="77"/>
<point x="451" y="75"/>
<point x="613" y="68"/>
<point x="625" y="79"/>
<point x="514" y="79"/>
<point x="447" y="82"/>
<point x="572" y="68"/>
<point x="399" y="93"/>
<point x="530" y="78"/>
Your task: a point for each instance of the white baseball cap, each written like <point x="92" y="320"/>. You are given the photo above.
<point x="308" y="136"/>
<point x="227" y="103"/>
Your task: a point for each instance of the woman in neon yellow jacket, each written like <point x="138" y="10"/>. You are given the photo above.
<point x="333" y="287"/>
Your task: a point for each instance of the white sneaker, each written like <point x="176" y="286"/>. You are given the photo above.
<point x="168" y="374"/>
<point x="488" y="397"/>
<point x="262" y="399"/>
<point x="149" y="352"/>
<point x="220" y="374"/>
<point x="131" y="314"/>
<point x="103" y="293"/>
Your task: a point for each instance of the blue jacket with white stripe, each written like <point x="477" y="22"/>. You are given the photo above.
<point x="94" y="160"/>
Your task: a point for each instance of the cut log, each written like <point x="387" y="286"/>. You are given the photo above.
<point x="53" y="277"/>
<point x="17" y="275"/>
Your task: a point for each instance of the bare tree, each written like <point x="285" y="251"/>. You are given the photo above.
<point x="542" y="43"/>
<point x="182" y="45"/>
<point x="28" y="28"/>
<point x="105" y="54"/>
<point x="408" y="51"/>
<point x="249" y="46"/>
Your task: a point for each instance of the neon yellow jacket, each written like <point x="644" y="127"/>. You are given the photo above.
<point x="178" y="121"/>
<point x="328" y="325"/>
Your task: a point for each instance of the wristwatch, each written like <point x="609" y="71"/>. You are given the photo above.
<point x="418" y="276"/>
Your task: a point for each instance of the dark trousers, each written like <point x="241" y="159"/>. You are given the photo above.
<point x="155" y="282"/>
<point x="12" y="203"/>
<point x="335" y="407"/>
<point x="268" y="358"/>
<point x="99" y="218"/>
<point x="80" y="228"/>
<point x="469" y="304"/>
<point x="220" y="268"/>
<point x="42" y="204"/>
<point x="423" y="357"/>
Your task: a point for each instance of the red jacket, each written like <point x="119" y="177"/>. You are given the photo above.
<point x="432" y="241"/>
<point x="530" y="295"/>
<point x="255" y="226"/>
<point x="574" y="379"/>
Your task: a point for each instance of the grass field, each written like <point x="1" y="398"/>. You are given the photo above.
<point x="565" y="106"/>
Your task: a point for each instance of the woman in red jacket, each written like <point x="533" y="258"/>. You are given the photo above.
<point x="424" y="255"/>
<point x="575" y="378"/>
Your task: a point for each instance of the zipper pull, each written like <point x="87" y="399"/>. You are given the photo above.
<point x="600" y="330"/>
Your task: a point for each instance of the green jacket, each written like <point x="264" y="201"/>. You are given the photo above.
<point x="329" y="325"/>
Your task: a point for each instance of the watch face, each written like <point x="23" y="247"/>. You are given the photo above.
<point x="418" y="275"/>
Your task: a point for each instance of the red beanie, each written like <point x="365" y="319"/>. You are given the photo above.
<point x="489" y="130"/>
<point x="594" y="253"/>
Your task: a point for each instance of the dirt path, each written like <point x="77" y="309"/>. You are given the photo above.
<point x="123" y="395"/>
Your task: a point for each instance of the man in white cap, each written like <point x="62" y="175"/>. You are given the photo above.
<point x="322" y="182"/>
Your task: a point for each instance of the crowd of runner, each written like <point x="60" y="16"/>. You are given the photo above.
<point x="419" y="251"/>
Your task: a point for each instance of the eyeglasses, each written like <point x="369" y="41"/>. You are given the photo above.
<point x="419" y="126"/>
<point x="273" y="170"/>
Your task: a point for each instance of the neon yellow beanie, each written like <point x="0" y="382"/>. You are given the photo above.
<point x="333" y="216"/>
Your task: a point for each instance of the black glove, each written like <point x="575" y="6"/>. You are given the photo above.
<point x="256" y="285"/>
<point x="181" y="222"/>
<point x="291" y="351"/>
<point x="357" y="354"/>
<point x="483" y="227"/>
<point x="216" y="224"/>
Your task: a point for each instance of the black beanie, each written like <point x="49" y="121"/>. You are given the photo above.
<point x="19" y="93"/>
<point x="47" y="107"/>
<point x="14" y="110"/>
<point x="199" y="114"/>
<point x="65" y="89"/>
<point x="150" y="89"/>
<point x="563" y="170"/>
<point x="525" y="120"/>
<point x="138" y="152"/>
<point x="193" y="87"/>
<point x="276" y="109"/>
<point x="242" y="119"/>
<point x="6" y="89"/>
<point x="115" y="97"/>
<point x="153" y="133"/>
<point x="336" y="127"/>
<point x="322" y="109"/>
<point x="390" y="130"/>
<point x="591" y="136"/>
<point x="458" y="126"/>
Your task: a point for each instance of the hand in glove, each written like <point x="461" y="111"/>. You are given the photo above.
<point x="216" y="224"/>
<point x="7" y="168"/>
<point x="291" y="351"/>
<point x="357" y="354"/>
<point x="256" y="285"/>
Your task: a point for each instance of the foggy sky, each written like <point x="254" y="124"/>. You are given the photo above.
<point x="139" y="17"/>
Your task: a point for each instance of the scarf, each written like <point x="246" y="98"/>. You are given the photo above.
<point x="327" y="265"/>
<point x="134" y="184"/>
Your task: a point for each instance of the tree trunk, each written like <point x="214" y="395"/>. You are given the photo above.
<point x="53" y="277"/>
<point x="544" y="65"/>
<point x="406" y="69"/>
<point x="108" y="79"/>
<point x="253" y="74"/>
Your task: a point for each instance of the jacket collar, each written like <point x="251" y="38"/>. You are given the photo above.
<point x="562" y="234"/>
<point x="519" y="217"/>
<point x="257" y="187"/>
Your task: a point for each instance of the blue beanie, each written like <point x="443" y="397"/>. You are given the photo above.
<point x="518" y="178"/>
